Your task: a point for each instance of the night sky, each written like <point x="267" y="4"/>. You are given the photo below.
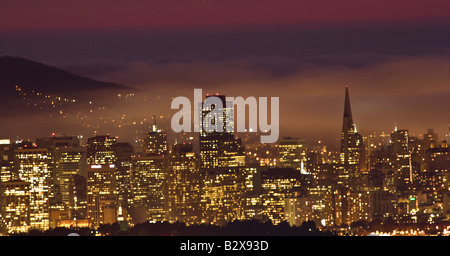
<point x="84" y="14"/>
<point x="394" y="55"/>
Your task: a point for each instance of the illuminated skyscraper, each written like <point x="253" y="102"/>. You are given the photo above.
<point x="149" y="186"/>
<point x="101" y="180"/>
<point x="322" y="206"/>
<point x="6" y="160"/>
<point x="278" y="185"/>
<point x="341" y="206"/>
<point x="184" y="185"/>
<point x="79" y="195"/>
<point x="69" y="160"/>
<point x="253" y="191"/>
<point x="155" y="142"/>
<point x="149" y="176"/>
<point x="351" y="149"/>
<point x="437" y="166"/>
<point x="35" y="167"/>
<point x="124" y="152"/>
<point x="220" y="149"/>
<point x="298" y="209"/>
<point x="222" y="159"/>
<point x="223" y="195"/>
<point x="360" y="206"/>
<point x="401" y="159"/>
<point x="15" y="206"/>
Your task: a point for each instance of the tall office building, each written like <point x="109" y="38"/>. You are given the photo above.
<point x="155" y="142"/>
<point x="223" y="195"/>
<point x="437" y="167"/>
<point x="69" y="161"/>
<point x="184" y="185"/>
<point x="14" y="206"/>
<point x="124" y="151"/>
<point x="6" y="161"/>
<point x="222" y="161"/>
<point x="278" y="187"/>
<point x="322" y="206"/>
<point x="149" y="177"/>
<point x="34" y="166"/>
<point x="351" y="150"/>
<point x="149" y="186"/>
<point x="220" y="149"/>
<point x="402" y="160"/>
<point x="79" y="195"/>
<point x="102" y="204"/>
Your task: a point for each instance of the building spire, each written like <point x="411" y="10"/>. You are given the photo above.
<point x="351" y="146"/>
<point x="347" y="108"/>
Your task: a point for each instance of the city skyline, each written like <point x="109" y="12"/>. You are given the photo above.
<point x="111" y="117"/>
<point x="56" y="182"/>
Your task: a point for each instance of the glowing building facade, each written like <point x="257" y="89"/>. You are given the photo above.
<point x="35" y="167"/>
<point x="102" y="199"/>
<point x="351" y="150"/>
<point x="149" y="186"/>
<point x="184" y="188"/>
<point x="15" y="206"/>
<point x="278" y="185"/>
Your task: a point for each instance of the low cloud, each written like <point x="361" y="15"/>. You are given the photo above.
<point x="408" y="91"/>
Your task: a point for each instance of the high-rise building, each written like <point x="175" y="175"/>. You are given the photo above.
<point x="401" y="159"/>
<point x="220" y="149"/>
<point x="69" y="160"/>
<point x="433" y="178"/>
<point x="155" y="142"/>
<point x="101" y="180"/>
<point x="223" y="194"/>
<point x="222" y="161"/>
<point x="124" y="151"/>
<point x="15" y="206"/>
<point x="360" y="206"/>
<point x="149" y="177"/>
<point x="79" y="195"/>
<point x="252" y="174"/>
<point x="6" y="160"/>
<point x="351" y="150"/>
<point x="34" y="166"/>
<point x="149" y="185"/>
<point x="322" y="206"/>
<point x="298" y="209"/>
<point x="341" y="206"/>
<point x="278" y="184"/>
<point x="184" y="201"/>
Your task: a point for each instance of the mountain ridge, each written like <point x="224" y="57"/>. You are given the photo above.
<point x="31" y="75"/>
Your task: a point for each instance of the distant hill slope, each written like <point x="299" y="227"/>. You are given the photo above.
<point x="32" y="75"/>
